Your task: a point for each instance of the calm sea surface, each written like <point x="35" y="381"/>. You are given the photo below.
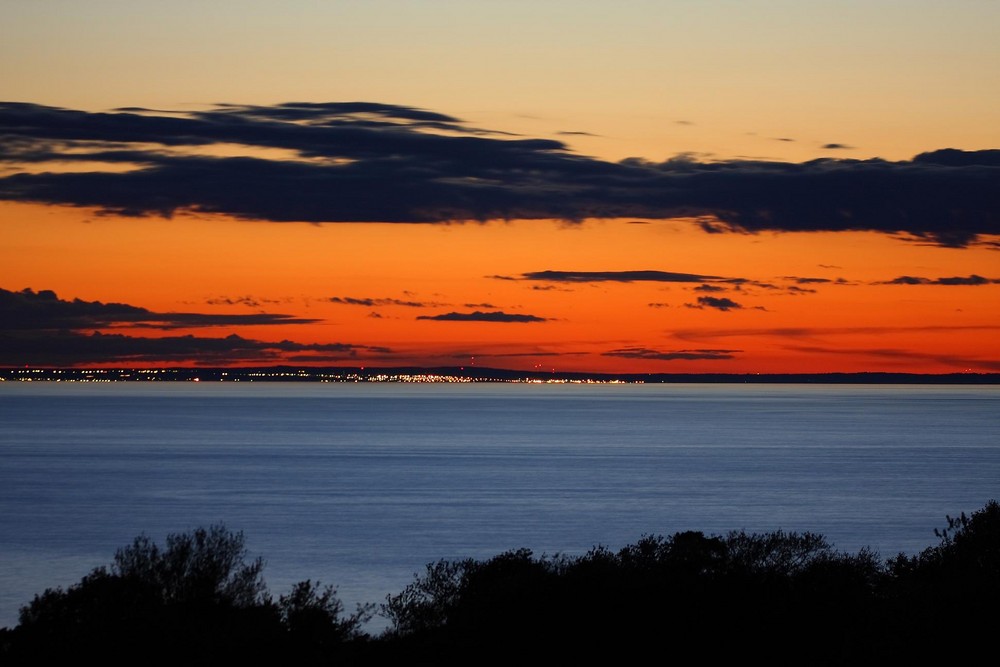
<point x="361" y="485"/>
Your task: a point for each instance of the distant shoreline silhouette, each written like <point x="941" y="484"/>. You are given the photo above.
<point x="458" y="374"/>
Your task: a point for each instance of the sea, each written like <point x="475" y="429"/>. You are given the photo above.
<point x="362" y="485"/>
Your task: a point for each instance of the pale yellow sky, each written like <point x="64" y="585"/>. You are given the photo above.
<point x="650" y="78"/>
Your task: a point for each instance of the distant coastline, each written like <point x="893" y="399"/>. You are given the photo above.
<point x="468" y="374"/>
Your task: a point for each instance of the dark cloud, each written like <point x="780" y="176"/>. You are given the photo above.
<point x="953" y="157"/>
<point x="673" y="355"/>
<point x="906" y="280"/>
<point x="717" y="303"/>
<point x="39" y="328"/>
<point x="481" y="316"/>
<point x="370" y="162"/>
<point x="836" y="147"/>
<point x="658" y="305"/>
<point x="367" y="301"/>
<point x="69" y="348"/>
<point x="808" y="281"/>
<point x="188" y="320"/>
<point x="481" y="354"/>
<point x="709" y="288"/>
<point x="30" y="310"/>
<point x="251" y="301"/>
<point x="968" y="280"/>
<point x="577" y="134"/>
<point x="326" y="113"/>
<point x="953" y="280"/>
<point x="623" y="277"/>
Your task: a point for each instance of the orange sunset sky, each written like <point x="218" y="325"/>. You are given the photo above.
<point x="666" y="187"/>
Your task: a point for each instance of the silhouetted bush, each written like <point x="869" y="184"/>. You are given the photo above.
<point x="786" y="598"/>
<point x="782" y="598"/>
<point x="314" y="616"/>
<point x="198" y="599"/>
<point x="945" y="601"/>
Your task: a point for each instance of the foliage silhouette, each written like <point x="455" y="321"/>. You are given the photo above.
<point x="314" y="615"/>
<point x="203" y="566"/>
<point x="198" y="599"/>
<point x="786" y="598"/>
<point x="948" y="590"/>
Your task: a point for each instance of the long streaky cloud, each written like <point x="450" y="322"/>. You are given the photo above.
<point x="368" y="301"/>
<point x="372" y="162"/>
<point x="623" y="277"/>
<point x="73" y="348"/>
<point x="670" y="355"/>
<point x="952" y="280"/>
<point x="717" y="303"/>
<point x="483" y="316"/>
<point x="42" y="310"/>
<point x="39" y="328"/>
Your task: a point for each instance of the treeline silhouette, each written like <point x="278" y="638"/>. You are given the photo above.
<point x="784" y="598"/>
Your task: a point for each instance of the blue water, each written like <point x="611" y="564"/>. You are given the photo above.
<point x="361" y="485"/>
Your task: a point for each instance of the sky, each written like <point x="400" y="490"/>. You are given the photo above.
<point x="629" y="186"/>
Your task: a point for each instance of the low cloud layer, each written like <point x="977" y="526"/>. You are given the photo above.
<point x="71" y="348"/>
<point x="30" y="310"/>
<point x="702" y="283"/>
<point x="716" y="303"/>
<point x="670" y="355"/>
<point x="371" y="162"/>
<point x="623" y="277"/>
<point x="953" y="280"/>
<point x="246" y="300"/>
<point x="40" y="329"/>
<point x="372" y="302"/>
<point x="483" y="316"/>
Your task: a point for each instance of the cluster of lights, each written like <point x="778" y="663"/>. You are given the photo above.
<point x="189" y="375"/>
<point x="574" y="381"/>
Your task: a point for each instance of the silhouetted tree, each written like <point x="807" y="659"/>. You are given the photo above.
<point x="782" y="598"/>
<point x="200" y="597"/>
<point x="949" y="590"/>
<point x="206" y="566"/>
<point x="425" y="604"/>
<point x="314" y="615"/>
